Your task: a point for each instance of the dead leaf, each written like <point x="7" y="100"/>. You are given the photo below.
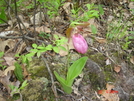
<point x="67" y="7"/>
<point x="10" y="43"/>
<point x="25" y="72"/>
<point x="117" y="68"/>
<point x="3" y="45"/>
<point x="10" y="68"/>
<point x="5" y="81"/>
<point x="132" y="59"/>
<point x="26" y="25"/>
<point x="68" y="45"/>
<point x="100" y="40"/>
<point x="68" y="32"/>
<point x="108" y="61"/>
<point x="9" y="60"/>
<point x="21" y="48"/>
<point x="77" y="84"/>
<point x="109" y="94"/>
<point x="109" y="86"/>
<point x="38" y="18"/>
<point x="43" y="29"/>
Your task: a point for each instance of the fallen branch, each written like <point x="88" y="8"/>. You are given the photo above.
<point x="51" y="76"/>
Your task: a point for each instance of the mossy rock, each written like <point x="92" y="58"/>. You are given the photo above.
<point x="37" y="68"/>
<point x="35" y="90"/>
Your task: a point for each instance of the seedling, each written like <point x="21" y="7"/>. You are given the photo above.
<point x="15" y="89"/>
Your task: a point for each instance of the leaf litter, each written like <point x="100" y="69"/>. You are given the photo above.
<point x="98" y="41"/>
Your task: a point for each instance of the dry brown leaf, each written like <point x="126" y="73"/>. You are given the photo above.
<point x="10" y="43"/>
<point x="25" y="73"/>
<point x="21" y="48"/>
<point x="109" y="86"/>
<point x="67" y="7"/>
<point x="5" y="81"/>
<point x="38" y="18"/>
<point x="132" y="59"/>
<point x="9" y="60"/>
<point x="43" y="29"/>
<point x="100" y="40"/>
<point x="117" y="68"/>
<point x="67" y="46"/>
<point x="21" y="25"/>
<point x="8" y="69"/>
<point x="3" y="45"/>
<point x="109" y="96"/>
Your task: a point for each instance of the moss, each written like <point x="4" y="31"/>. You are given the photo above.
<point x="34" y="91"/>
<point x="99" y="58"/>
<point x="37" y="68"/>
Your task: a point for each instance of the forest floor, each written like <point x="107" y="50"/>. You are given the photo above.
<point x="27" y="63"/>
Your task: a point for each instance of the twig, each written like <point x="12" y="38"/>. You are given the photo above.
<point x="27" y="37"/>
<point x="34" y="21"/>
<point x="51" y="76"/>
<point x="18" y="20"/>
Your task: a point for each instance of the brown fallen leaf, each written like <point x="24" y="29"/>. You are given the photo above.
<point x="5" y="80"/>
<point x="8" y="69"/>
<point x="9" y="60"/>
<point x="43" y="29"/>
<point x="109" y="94"/>
<point x="132" y="59"/>
<point x="21" y="48"/>
<point x="117" y="68"/>
<point x="100" y="40"/>
<point x="68" y="45"/>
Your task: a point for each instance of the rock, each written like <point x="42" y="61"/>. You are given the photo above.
<point x="124" y="96"/>
<point x="37" y="68"/>
<point x="93" y="66"/>
<point x="35" y="90"/>
<point x="95" y="72"/>
<point x="130" y="83"/>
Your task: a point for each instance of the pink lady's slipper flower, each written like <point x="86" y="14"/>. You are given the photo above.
<point x="79" y="43"/>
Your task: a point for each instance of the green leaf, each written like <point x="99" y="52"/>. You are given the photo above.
<point x="34" y="45"/>
<point x="62" y="81"/>
<point x="49" y="47"/>
<point x="56" y="49"/>
<point x="63" y="48"/>
<point x="41" y="47"/>
<point x="18" y="72"/>
<point x="56" y="37"/>
<point x="34" y="50"/>
<point x="38" y="54"/>
<point x="3" y="15"/>
<point x="24" y="84"/>
<point x="88" y="6"/>
<point x="94" y="29"/>
<point x="1" y="54"/>
<point x="75" y="69"/>
<point x="101" y="9"/>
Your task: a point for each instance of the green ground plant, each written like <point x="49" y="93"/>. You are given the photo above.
<point x="3" y="16"/>
<point x="44" y="35"/>
<point x="39" y="49"/>
<point x="18" y="71"/>
<point x="73" y="71"/>
<point x="52" y="6"/>
<point x="90" y="13"/>
<point x="118" y="32"/>
<point x="16" y="90"/>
